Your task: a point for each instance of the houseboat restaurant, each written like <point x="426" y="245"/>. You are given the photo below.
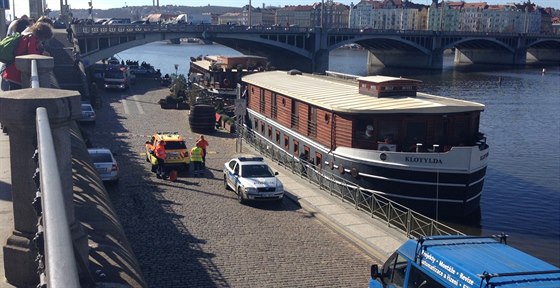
<point x="423" y="151"/>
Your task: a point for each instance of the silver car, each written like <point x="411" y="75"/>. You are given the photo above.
<point x="105" y="164"/>
<point x="252" y="179"/>
<point x="88" y="114"/>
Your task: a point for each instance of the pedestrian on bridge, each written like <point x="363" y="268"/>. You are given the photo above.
<point x="28" y="44"/>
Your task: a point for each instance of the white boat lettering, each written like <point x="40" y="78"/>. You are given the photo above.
<point x="423" y="160"/>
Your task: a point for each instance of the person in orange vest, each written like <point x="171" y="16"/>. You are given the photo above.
<point x="202" y="143"/>
<point x="196" y="159"/>
<point x="160" y="155"/>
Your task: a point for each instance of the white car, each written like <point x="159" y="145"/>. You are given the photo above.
<point x="105" y="164"/>
<point x="252" y="179"/>
<point x="88" y="114"/>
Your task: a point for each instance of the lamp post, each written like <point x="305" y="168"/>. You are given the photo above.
<point x="176" y="68"/>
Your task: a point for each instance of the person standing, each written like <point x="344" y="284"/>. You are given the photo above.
<point x="69" y="33"/>
<point x="160" y="155"/>
<point x="12" y="28"/>
<point x="202" y="143"/>
<point x="29" y="44"/>
<point x="196" y="159"/>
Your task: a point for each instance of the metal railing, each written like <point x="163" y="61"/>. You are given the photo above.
<point x="57" y="264"/>
<point x="56" y="259"/>
<point x="412" y="223"/>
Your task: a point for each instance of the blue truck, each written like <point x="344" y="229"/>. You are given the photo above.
<point x="464" y="262"/>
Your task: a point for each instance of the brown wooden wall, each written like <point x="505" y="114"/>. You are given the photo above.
<point x="284" y="110"/>
<point x="324" y="127"/>
<point x="343" y="131"/>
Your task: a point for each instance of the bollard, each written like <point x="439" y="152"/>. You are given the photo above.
<point x="45" y="65"/>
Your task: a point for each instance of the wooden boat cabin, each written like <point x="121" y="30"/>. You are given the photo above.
<point x="379" y="133"/>
<point x="374" y="112"/>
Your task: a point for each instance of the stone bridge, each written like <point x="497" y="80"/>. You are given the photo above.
<point x="308" y="49"/>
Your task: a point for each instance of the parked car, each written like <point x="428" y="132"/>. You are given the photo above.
<point x="88" y="114"/>
<point x="252" y="179"/>
<point x="105" y="164"/>
<point x="175" y="148"/>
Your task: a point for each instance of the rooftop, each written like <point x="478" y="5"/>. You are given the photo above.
<point x="341" y="96"/>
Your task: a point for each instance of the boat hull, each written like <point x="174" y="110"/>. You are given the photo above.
<point x="438" y="185"/>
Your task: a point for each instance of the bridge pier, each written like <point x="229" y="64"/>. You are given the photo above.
<point x="485" y="56"/>
<point x="320" y="62"/>
<point x="543" y="55"/>
<point x="408" y="59"/>
<point x="17" y="113"/>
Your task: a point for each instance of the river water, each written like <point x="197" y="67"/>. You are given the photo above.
<point x="521" y="195"/>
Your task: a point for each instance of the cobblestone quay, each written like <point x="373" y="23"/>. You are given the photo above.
<point x="193" y="232"/>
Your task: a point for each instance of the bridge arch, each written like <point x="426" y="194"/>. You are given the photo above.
<point x="543" y="50"/>
<point x="479" y="42"/>
<point x="369" y="41"/>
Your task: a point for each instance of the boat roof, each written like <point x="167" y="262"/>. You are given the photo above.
<point x="466" y="259"/>
<point x="385" y="79"/>
<point x="344" y="97"/>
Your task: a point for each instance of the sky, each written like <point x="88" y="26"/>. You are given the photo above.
<point x="22" y="7"/>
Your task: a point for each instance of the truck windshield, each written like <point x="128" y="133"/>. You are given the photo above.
<point x="114" y="74"/>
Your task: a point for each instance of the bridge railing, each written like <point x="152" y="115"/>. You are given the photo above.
<point x="57" y="267"/>
<point x="393" y="214"/>
<point x="87" y="29"/>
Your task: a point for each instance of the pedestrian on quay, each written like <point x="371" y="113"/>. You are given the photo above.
<point x="28" y="44"/>
<point x="161" y="155"/>
<point x="196" y="159"/>
<point x="202" y="143"/>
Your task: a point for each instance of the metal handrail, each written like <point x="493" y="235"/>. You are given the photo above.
<point x="60" y="264"/>
<point x="34" y="74"/>
<point x="408" y="221"/>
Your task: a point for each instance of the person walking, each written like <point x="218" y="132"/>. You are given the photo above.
<point x="29" y="44"/>
<point x="202" y="143"/>
<point x="196" y="159"/>
<point x="161" y="155"/>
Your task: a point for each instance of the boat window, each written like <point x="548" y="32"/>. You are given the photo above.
<point x="274" y="106"/>
<point x="262" y="128"/>
<point x="312" y="121"/>
<point x="262" y="101"/>
<point x="278" y="137"/>
<point x="460" y="131"/>
<point x="419" y="279"/>
<point x="388" y="131"/>
<point x="440" y="132"/>
<point x="364" y="134"/>
<point x="295" y="115"/>
<point x="319" y="160"/>
<point x="296" y="148"/>
<point x="287" y="143"/>
<point x="415" y="133"/>
<point x="269" y="132"/>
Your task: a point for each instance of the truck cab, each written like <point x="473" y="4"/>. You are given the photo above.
<point x="462" y="261"/>
<point x="116" y="77"/>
